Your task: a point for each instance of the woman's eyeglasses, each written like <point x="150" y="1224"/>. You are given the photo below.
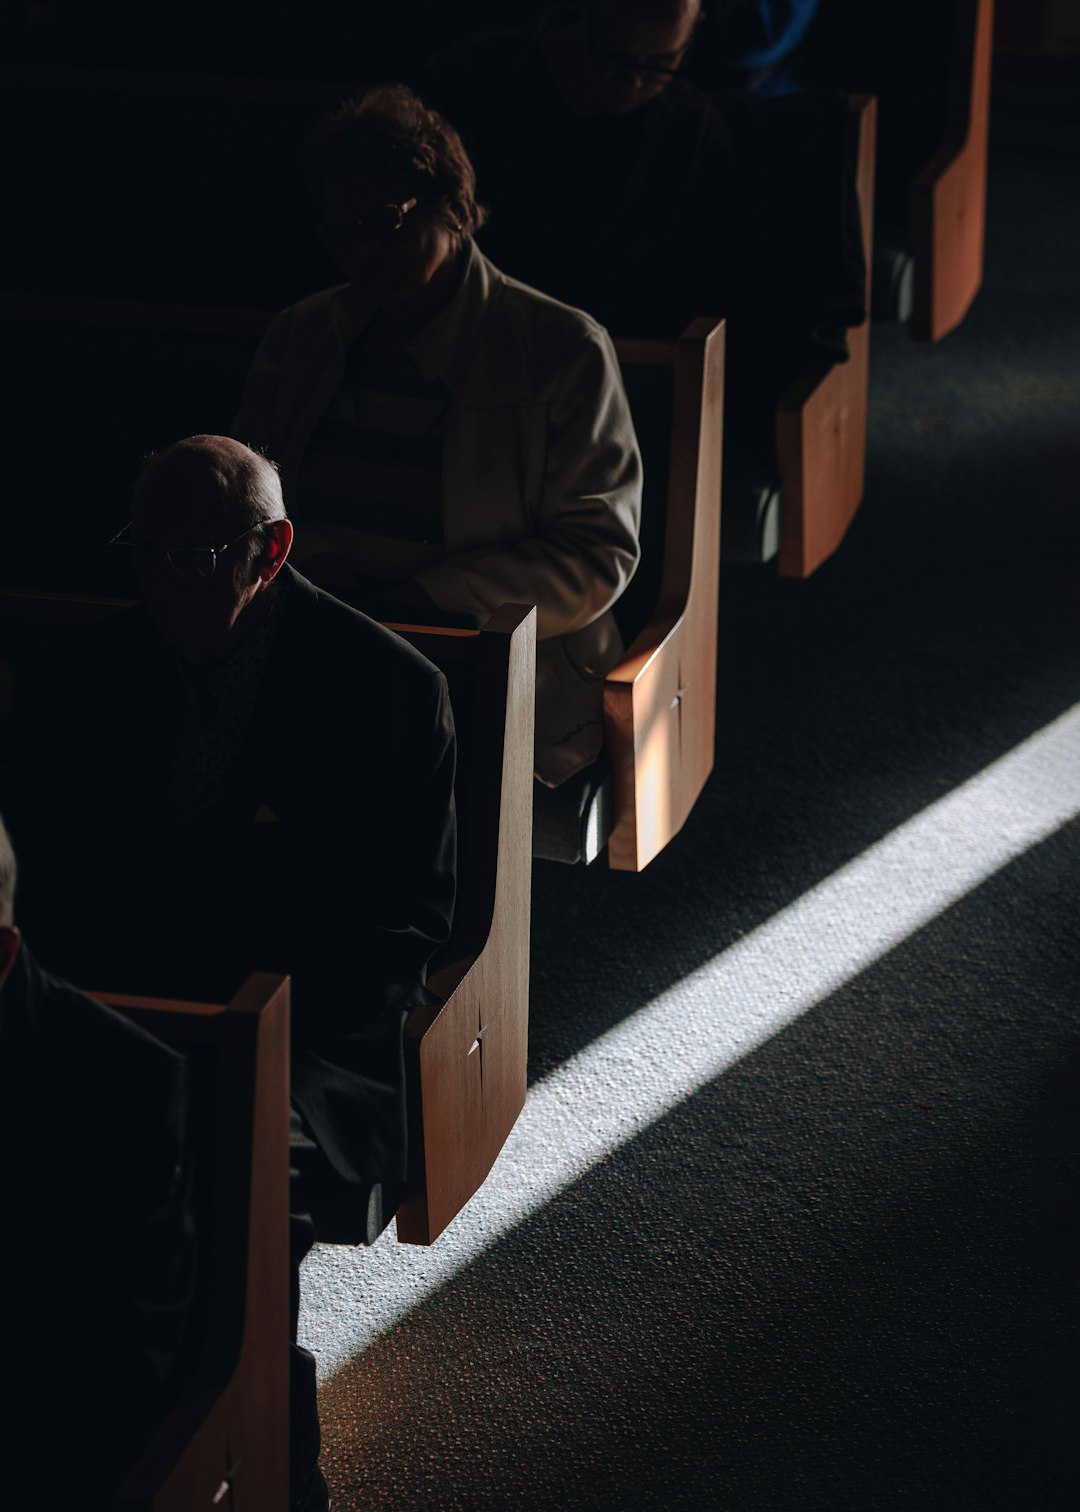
<point x="381" y="222"/>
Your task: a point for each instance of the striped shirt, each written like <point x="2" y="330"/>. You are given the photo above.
<point x="371" y="478"/>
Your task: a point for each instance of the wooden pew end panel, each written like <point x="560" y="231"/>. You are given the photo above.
<point x="821" y="420"/>
<point x="948" y="197"/>
<point x="466" y="1054"/>
<point x="660" y="701"/>
<point x="228" y="1426"/>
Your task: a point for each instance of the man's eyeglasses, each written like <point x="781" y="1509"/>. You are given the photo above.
<point x="381" y="222"/>
<point x="185" y="561"/>
<point x="627" y="63"/>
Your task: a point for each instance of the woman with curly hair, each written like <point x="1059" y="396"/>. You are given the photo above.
<point x="449" y="439"/>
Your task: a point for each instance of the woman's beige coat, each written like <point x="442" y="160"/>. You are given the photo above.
<point x="541" y="470"/>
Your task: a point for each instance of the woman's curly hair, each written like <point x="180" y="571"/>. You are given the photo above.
<point x="390" y="132"/>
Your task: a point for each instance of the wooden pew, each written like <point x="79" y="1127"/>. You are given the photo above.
<point x="224" y="1441"/>
<point x="948" y="196"/>
<point x="466" y="1058"/>
<point x="821" y="420"/>
<point x="660" y="700"/>
<point x="466" y="1055"/>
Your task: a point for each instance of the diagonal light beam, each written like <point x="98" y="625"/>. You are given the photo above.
<point x="669" y="1049"/>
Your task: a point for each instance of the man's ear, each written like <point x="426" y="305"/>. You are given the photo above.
<point x="10" y="939"/>
<point x="277" y="544"/>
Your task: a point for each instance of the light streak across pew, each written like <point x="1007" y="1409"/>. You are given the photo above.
<point x="659" y="1056"/>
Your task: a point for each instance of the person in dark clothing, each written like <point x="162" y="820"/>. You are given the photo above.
<point x="615" y="183"/>
<point x="247" y="740"/>
<point x="99" y="1244"/>
<point x="608" y="188"/>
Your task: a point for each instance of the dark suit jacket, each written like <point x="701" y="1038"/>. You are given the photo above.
<point x="97" y="1253"/>
<point x="327" y="853"/>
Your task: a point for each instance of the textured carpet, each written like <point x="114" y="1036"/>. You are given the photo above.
<point x="842" y="1273"/>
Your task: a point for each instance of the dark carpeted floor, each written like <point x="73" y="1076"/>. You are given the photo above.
<point x="842" y="1275"/>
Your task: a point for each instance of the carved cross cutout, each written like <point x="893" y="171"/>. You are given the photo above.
<point x="223" y="1496"/>
<point x="477" y="1046"/>
<point x="677" y="703"/>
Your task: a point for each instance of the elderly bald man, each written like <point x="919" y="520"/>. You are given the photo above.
<point x="206" y="595"/>
<point x="263" y="779"/>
